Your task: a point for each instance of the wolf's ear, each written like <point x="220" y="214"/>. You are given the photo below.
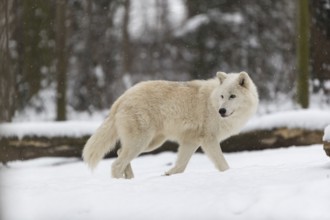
<point x="221" y="76"/>
<point x="243" y="79"/>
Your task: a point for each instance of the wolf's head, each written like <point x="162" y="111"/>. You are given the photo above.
<point x="235" y="95"/>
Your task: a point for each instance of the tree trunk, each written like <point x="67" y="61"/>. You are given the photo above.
<point x="61" y="57"/>
<point x="7" y="90"/>
<point x="31" y="63"/>
<point x="303" y="53"/>
<point x="127" y="56"/>
<point x="37" y="20"/>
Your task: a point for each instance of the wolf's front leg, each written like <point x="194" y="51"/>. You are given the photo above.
<point x="184" y="154"/>
<point x="214" y="152"/>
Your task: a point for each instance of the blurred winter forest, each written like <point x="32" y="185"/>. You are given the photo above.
<point x="68" y="56"/>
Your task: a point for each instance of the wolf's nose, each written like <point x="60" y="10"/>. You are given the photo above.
<point x="222" y="111"/>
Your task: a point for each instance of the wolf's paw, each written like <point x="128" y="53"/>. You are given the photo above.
<point x="224" y="167"/>
<point x="174" y="170"/>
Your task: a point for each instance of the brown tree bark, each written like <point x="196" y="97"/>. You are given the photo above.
<point x="7" y="88"/>
<point x="303" y="30"/>
<point x="127" y="56"/>
<point x="61" y="57"/>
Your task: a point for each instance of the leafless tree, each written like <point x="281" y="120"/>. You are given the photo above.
<point x="61" y="59"/>
<point x="7" y="91"/>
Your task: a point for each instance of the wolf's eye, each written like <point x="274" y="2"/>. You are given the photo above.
<point x="232" y="96"/>
<point x="222" y="96"/>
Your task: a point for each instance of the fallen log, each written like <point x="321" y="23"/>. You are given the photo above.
<point x="275" y="138"/>
<point x="28" y="147"/>
<point x="326" y="139"/>
<point x="326" y="147"/>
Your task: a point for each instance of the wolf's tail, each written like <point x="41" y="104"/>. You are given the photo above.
<point x="103" y="141"/>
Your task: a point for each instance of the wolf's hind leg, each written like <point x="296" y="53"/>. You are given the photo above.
<point x="184" y="154"/>
<point x="120" y="165"/>
<point x="128" y="172"/>
<point x="131" y="147"/>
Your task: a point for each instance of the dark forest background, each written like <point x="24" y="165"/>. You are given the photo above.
<point x="88" y="52"/>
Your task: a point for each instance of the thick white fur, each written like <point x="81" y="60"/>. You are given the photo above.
<point x="151" y="112"/>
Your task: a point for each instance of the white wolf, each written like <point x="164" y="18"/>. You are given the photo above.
<point x="198" y="113"/>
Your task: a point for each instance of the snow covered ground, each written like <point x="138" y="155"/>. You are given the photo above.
<point x="291" y="183"/>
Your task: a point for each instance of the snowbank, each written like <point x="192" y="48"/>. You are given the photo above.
<point x="305" y="119"/>
<point x="326" y="136"/>
<point x="49" y="129"/>
<point x="259" y="185"/>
